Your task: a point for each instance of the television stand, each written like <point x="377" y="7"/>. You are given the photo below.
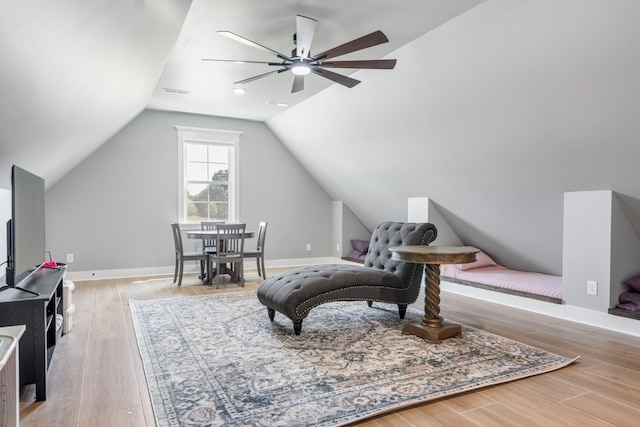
<point x="35" y="304"/>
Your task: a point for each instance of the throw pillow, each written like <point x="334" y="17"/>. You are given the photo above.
<point x="482" y="260"/>
<point x="360" y="245"/>
<point x="634" y="282"/>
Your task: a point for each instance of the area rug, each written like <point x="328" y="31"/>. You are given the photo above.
<point x="217" y="360"/>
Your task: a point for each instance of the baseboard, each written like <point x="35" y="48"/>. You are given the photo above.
<point x="561" y="311"/>
<point x="192" y="267"/>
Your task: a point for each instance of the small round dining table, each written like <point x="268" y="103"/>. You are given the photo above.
<point x="213" y="234"/>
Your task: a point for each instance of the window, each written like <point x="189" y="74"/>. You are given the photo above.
<point x="208" y="170"/>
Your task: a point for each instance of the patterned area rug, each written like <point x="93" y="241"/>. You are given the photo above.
<point x="217" y="360"/>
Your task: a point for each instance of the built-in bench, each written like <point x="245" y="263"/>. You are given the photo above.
<point x="487" y="274"/>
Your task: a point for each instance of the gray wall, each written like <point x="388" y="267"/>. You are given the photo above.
<point x="113" y="210"/>
<point x="493" y="116"/>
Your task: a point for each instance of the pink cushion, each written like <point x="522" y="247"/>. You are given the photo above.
<point x="501" y="277"/>
<point x="482" y="260"/>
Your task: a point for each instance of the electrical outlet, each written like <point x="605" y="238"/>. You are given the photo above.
<point x="592" y="287"/>
<point x="338" y="247"/>
<point x="69" y="257"/>
<point x="308" y="246"/>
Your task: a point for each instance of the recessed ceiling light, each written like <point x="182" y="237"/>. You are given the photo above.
<point x="239" y="91"/>
<point x="180" y="91"/>
<point x="278" y="104"/>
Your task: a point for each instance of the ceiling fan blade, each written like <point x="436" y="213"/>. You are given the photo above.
<point x="305" y="29"/>
<point x="373" y="39"/>
<point x="338" y="78"/>
<point x="298" y="84"/>
<point x="237" y="61"/>
<point x="234" y="36"/>
<point x="379" y="64"/>
<point x="259" y="76"/>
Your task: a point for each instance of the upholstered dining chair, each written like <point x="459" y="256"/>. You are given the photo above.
<point x="182" y="256"/>
<point x="258" y="254"/>
<point x="229" y="250"/>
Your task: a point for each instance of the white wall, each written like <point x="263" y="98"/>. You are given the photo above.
<point x="495" y="115"/>
<point x="113" y="211"/>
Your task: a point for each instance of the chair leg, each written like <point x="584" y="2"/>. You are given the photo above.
<point x="238" y="268"/>
<point x="297" y="327"/>
<point x="181" y="272"/>
<point x="260" y="261"/>
<point x="402" y="310"/>
<point x="272" y="313"/>
<point x="175" y="270"/>
<point x="218" y="274"/>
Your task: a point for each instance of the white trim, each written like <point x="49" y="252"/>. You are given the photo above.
<point x="571" y="313"/>
<point x="561" y="311"/>
<point x="189" y="268"/>
<point x="203" y="134"/>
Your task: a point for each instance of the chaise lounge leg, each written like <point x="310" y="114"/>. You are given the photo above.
<point x="272" y="313"/>
<point x="402" y="310"/>
<point x="369" y="303"/>
<point x="297" y="326"/>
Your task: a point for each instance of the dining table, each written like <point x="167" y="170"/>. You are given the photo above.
<point x="213" y="234"/>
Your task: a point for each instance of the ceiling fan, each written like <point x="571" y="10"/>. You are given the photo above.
<point x="302" y="62"/>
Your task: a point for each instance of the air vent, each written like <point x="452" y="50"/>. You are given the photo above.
<point x="180" y="91"/>
<point x="278" y="104"/>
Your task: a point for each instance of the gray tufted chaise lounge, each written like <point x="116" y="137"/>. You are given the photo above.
<point x="295" y="292"/>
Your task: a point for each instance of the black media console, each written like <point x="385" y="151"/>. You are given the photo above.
<point x="35" y="305"/>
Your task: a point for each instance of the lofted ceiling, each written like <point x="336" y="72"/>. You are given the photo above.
<point x="189" y="84"/>
<point x="75" y="73"/>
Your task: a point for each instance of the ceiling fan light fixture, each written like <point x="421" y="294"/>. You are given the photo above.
<point x="301" y="69"/>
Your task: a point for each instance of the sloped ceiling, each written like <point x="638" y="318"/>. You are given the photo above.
<point x="73" y="73"/>
<point x="493" y="115"/>
<point x="189" y="84"/>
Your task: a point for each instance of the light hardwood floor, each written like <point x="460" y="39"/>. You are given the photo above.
<point x="96" y="376"/>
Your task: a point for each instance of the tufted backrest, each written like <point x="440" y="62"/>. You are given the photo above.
<point x="390" y="234"/>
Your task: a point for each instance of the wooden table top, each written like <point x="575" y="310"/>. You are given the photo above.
<point x="434" y="254"/>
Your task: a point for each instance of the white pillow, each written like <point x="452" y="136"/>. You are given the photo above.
<point x="482" y="260"/>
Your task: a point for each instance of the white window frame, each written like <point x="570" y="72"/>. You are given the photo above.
<point x="209" y="136"/>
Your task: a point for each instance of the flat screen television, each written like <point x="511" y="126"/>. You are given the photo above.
<point x="26" y="228"/>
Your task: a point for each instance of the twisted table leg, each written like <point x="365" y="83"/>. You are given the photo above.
<point x="433" y="328"/>
<point x="431" y="280"/>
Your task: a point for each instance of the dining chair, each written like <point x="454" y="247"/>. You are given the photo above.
<point x="209" y="244"/>
<point x="182" y="256"/>
<point x="229" y="250"/>
<point x="258" y="254"/>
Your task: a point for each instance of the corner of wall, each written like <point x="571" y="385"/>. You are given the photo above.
<point x="423" y="209"/>
<point x="346" y="227"/>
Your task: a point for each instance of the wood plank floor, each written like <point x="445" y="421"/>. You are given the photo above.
<point x="96" y="376"/>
